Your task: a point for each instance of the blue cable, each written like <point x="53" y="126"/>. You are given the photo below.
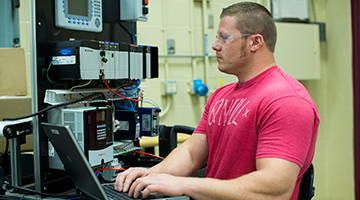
<point x="132" y="106"/>
<point x="75" y="198"/>
<point x="132" y="32"/>
<point x="118" y="105"/>
<point x="138" y="82"/>
<point x="152" y="104"/>
<point x="124" y="107"/>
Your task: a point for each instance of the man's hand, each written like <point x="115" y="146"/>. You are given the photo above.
<point x="124" y="179"/>
<point x="164" y="184"/>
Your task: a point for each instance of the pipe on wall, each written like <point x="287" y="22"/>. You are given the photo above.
<point x="206" y="49"/>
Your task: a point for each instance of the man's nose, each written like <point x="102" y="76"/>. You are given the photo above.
<point x="216" y="46"/>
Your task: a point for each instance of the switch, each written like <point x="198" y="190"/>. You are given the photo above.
<point x="145" y="10"/>
<point x="169" y="88"/>
<point x="104" y="60"/>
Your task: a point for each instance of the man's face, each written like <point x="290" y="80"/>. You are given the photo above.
<point x="230" y="47"/>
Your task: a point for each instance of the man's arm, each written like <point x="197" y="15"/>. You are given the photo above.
<point x="184" y="160"/>
<point x="274" y="179"/>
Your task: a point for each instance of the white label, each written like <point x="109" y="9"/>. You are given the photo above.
<point x="124" y="125"/>
<point x="51" y="150"/>
<point x="64" y="60"/>
<point x="137" y="131"/>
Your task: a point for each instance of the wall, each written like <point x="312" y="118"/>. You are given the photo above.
<point x="181" y="20"/>
<point x="25" y="37"/>
<point x="333" y="94"/>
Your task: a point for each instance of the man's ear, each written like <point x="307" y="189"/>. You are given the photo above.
<point x="257" y="41"/>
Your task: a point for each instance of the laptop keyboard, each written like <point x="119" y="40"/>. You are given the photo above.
<point x="113" y="194"/>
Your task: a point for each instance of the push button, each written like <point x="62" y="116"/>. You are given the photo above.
<point x="145" y="10"/>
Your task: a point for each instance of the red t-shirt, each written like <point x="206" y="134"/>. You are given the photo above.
<point x="271" y="115"/>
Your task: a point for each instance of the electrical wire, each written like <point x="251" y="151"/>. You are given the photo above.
<point x="77" y="86"/>
<point x="47" y="75"/>
<point x="152" y="102"/>
<point x="123" y="147"/>
<point x="133" y="33"/>
<point x="81" y="85"/>
<point x="138" y="82"/>
<point x="72" y="198"/>
<point x="128" y="83"/>
<point x="127" y="94"/>
<point x="117" y="104"/>
<point x="157" y="107"/>
<point x="8" y="197"/>
<point x="131" y="106"/>
<point x="109" y="168"/>
<point x="126" y="152"/>
<point x="55" y="106"/>
<point x="23" y="196"/>
<point x="149" y="154"/>
<point x="131" y="38"/>
<point x="121" y="95"/>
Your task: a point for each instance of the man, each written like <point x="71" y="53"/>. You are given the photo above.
<point x="257" y="136"/>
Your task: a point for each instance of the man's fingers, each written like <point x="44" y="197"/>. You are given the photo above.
<point x="119" y="181"/>
<point x="137" y="187"/>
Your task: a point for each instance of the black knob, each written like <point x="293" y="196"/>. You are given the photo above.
<point x="104" y="60"/>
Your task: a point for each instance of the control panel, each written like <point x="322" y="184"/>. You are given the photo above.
<point x="100" y="60"/>
<point x="82" y="15"/>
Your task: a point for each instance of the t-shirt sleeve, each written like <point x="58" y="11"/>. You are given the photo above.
<point x="286" y="128"/>
<point x="201" y="128"/>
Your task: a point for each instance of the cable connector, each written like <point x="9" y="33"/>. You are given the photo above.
<point x="110" y="175"/>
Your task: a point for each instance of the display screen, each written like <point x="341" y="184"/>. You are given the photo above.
<point x="100" y="125"/>
<point x="78" y="7"/>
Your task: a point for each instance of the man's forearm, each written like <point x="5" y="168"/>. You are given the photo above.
<point x="274" y="179"/>
<point x="247" y="187"/>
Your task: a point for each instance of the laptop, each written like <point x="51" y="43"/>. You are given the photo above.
<point x="79" y="169"/>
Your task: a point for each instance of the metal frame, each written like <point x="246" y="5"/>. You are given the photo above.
<point x="34" y="99"/>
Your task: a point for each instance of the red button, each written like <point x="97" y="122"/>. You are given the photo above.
<point x="145" y="2"/>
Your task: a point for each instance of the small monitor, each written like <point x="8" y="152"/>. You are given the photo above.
<point x="82" y="15"/>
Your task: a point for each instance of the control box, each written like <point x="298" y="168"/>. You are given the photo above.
<point x="150" y="62"/>
<point x="290" y="10"/>
<point x="134" y="10"/>
<point x="99" y="60"/>
<point x="92" y="127"/>
<point x="129" y="125"/>
<point x="136" y="61"/>
<point x="82" y="15"/>
<point x="149" y="121"/>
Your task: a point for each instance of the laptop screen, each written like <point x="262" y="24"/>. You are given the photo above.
<point x="74" y="160"/>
